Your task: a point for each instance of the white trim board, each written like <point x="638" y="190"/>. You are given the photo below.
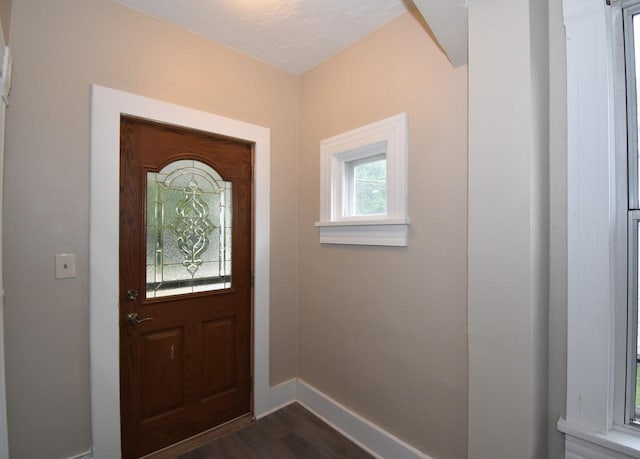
<point x="280" y="396"/>
<point x="596" y="232"/>
<point x="594" y="426"/>
<point x="106" y="107"/>
<point x="4" y="436"/>
<point x="338" y="224"/>
<point x="615" y="444"/>
<point x="577" y="448"/>
<point x="5" y="86"/>
<point x="86" y="455"/>
<point x="375" y="440"/>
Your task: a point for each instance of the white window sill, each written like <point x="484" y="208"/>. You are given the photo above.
<point x="365" y="232"/>
<point x="615" y="444"/>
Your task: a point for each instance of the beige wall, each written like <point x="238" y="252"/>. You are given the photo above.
<point x="59" y="49"/>
<point x="508" y="229"/>
<point x="558" y="229"/>
<point x="383" y="330"/>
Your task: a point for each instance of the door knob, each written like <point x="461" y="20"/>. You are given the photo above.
<point x="132" y="295"/>
<point x="133" y="319"/>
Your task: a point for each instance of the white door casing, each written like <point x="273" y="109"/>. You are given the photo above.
<point x="106" y="107"/>
<point x="5" y="87"/>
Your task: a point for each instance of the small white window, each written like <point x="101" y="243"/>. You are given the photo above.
<point x="366" y="184"/>
<point x="363" y="185"/>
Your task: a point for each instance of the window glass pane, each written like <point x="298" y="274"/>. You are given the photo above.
<point x="188" y="230"/>
<point x="370" y="186"/>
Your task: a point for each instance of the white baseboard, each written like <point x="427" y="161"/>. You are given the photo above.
<point x="373" y="439"/>
<point x="87" y="455"/>
<point x="365" y="434"/>
<point x="279" y="396"/>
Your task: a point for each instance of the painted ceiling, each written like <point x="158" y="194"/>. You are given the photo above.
<point x="292" y="35"/>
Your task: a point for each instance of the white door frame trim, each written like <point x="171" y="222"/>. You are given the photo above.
<point x="106" y="107"/>
<point x="5" y="87"/>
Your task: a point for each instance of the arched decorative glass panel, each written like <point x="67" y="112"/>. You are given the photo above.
<point x="188" y="230"/>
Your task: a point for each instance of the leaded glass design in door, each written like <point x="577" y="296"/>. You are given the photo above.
<point x="188" y="227"/>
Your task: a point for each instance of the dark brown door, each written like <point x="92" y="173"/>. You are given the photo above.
<point x="185" y="283"/>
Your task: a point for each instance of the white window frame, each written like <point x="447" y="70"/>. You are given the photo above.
<point x="597" y="337"/>
<point x="631" y="8"/>
<point x="337" y="225"/>
<point x="632" y="317"/>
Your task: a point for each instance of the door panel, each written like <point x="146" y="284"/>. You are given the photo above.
<point x="219" y="362"/>
<point x="161" y="374"/>
<point x="185" y="265"/>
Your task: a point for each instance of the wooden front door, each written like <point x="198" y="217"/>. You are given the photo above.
<point x="185" y="283"/>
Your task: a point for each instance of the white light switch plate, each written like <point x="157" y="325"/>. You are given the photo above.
<point x="65" y="265"/>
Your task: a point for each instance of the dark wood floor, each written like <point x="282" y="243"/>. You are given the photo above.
<point x="292" y="432"/>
